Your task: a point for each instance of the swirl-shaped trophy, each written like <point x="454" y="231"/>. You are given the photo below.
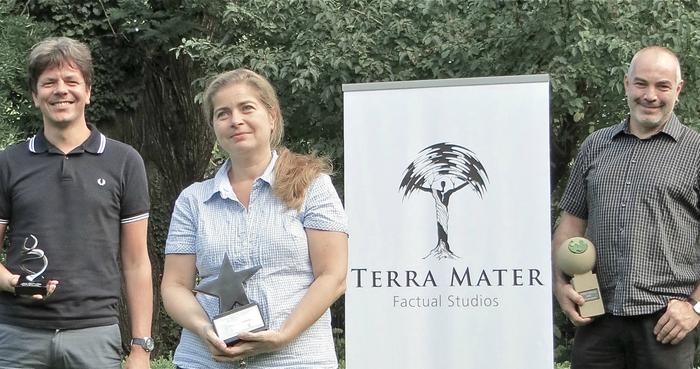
<point x="576" y="257"/>
<point x="33" y="265"/>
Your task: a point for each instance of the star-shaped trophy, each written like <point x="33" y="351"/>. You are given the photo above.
<point x="236" y="313"/>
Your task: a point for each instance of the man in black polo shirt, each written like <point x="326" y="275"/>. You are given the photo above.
<point x="634" y="192"/>
<point x="82" y="199"/>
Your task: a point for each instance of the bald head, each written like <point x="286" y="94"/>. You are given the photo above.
<point x="652" y="85"/>
<point x="656" y="52"/>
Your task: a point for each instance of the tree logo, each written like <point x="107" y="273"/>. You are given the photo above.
<point x="443" y="169"/>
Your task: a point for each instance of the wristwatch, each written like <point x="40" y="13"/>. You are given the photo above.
<point x="695" y="304"/>
<point x="146" y="342"/>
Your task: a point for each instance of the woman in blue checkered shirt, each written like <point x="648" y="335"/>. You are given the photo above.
<point x="266" y="207"/>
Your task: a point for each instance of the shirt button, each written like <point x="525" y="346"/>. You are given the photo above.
<point x="622" y="204"/>
<point x="628" y="183"/>
<point x="634" y="161"/>
<point x="622" y="230"/>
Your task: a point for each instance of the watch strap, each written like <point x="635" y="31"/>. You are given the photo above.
<point x="145" y="342"/>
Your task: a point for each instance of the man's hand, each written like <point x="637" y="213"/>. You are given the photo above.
<point x="9" y="286"/>
<point x="569" y="300"/>
<point x="569" y="226"/>
<point x="138" y="359"/>
<point x="678" y="320"/>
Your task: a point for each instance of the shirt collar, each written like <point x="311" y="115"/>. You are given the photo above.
<point x="269" y="173"/>
<point x="673" y="128"/>
<point x="222" y="185"/>
<point x="95" y="143"/>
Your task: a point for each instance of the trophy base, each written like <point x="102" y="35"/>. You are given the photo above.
<point x="230" y="324"/>
<point x="26" y="287"/>
<point x="594" y="304"/>
<point x="587" y="285"/>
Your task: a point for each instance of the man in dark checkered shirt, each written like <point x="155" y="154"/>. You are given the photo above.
<point x="634" y="192"/>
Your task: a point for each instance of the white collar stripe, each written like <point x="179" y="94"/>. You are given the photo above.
<point x="31" y="144"/>
<point x="103" y="143"/>
<point x="4" y="221"/>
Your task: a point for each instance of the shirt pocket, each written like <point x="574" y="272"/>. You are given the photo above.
<point x="287" y="248"/>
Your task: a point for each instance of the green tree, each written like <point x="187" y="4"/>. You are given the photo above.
<point x="153" y="56"/>
<point x="18" y="32"/>
<point x="310" y="48"/>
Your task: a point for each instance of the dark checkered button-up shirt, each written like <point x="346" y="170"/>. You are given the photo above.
<point x="641" y="199"/>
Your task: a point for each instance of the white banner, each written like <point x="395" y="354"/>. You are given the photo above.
<point x="447" y="194"/>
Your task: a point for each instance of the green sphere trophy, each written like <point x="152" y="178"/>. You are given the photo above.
<point x="576" y="257"/>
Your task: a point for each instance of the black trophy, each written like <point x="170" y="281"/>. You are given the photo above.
<point x="33" y="264"/>
<point x="236" y="313"/>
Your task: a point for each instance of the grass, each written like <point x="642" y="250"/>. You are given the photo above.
<point x="166" y="363"/>
<point x="162" y="363"/>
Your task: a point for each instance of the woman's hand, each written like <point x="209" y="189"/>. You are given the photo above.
<point x="250" y="344"/>
<point x="259" y="343"/>
<point x="217" y="347"/>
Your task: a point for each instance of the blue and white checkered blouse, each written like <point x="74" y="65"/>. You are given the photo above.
<point x="208" y="221"/>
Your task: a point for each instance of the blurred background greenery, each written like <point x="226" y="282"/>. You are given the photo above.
<point x="152" y="58"/>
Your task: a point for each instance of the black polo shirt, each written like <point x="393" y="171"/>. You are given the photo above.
<point x="74" y="205"/>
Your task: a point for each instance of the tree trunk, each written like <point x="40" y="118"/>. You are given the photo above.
<point x="176" y="144"/>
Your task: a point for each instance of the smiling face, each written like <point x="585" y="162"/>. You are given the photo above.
<point x="242" y="123"/>
<point x="61" y="95"/>
<point x="652" y="86"/>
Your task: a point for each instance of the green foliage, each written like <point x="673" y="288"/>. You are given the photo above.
<point x="309" y="48"/>
<point x="9" y="134"/>
<point x="162" y="363"/>
<point x="17" y="34"/>
<point x="339" y="340"/>
<point x="83" y="21"/>
<point x="125" y="36"/>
